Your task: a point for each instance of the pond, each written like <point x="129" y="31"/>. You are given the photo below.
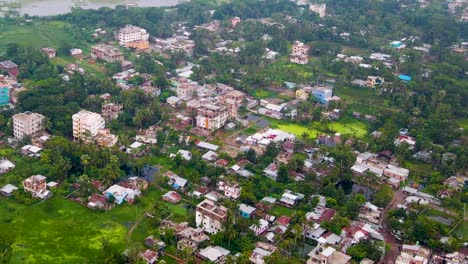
<point x="349" y="187"/>
<point x="56" y="7"/>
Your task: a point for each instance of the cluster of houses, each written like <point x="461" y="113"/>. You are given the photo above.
<point x="383" y="165"/>
<point x="211" y="105"/>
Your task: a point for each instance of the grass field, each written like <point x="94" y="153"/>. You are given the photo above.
<point x="37" y="35"/>
<point x="463" y="122"/>
<point x="344" y="126"/>
<point x="62" y="231"/>
<point x="262" y="94"/>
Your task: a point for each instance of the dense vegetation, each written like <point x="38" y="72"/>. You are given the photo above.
<point x="430" y="107"/>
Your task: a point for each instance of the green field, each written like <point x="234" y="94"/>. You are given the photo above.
<point x="62" y="231"/>
<point x="37" y="35"/>
<point x="344" y="126"/>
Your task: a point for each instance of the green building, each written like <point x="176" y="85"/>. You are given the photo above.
<point x="4" y="96"/>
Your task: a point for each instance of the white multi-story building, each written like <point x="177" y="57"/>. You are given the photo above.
<point x="230" y="189"/>
<point x="86" y="125"/>
<point x="320" y="9"/>
<point x="130" y="34"/>
<point x="27" y="123"/>
<point x="210" y="216"/>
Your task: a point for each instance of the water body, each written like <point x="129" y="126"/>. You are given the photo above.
<point x="56" y="7"/>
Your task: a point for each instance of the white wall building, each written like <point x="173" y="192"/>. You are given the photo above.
<point x="28" y="123"/>
<point x="210" y="216"/>
<point x="86" y="125"/>
<point x="130" y="34"/>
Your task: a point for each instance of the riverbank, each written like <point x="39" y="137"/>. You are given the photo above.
<point x="57" y="7"/>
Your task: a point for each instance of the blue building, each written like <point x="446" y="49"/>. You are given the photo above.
<point x="404" y="78"/>
<point x="246" y="211"/>
<point x="4" y="96"/>
<point x="322" y="93"/>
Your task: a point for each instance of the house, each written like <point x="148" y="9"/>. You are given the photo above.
<point x="210" y="156"/>
<point x="50" y="52"/>
<point x="230" y="189"/>
<point x="6" y="166"/>
<point x="299" y="53"/>
<point x="410" y="141"/>
<point x="147" y="136"/>
<point x="122" y="194"/>
<point x="173" y="101"/>
<point x="149" y="256"/>
<point x="195" y="234"/>
<point x="299" y="58"/>
<point x="322" y="254"/>
<point x="8" y="190"/>
<point x="413" y="254"/>
<point x="105" y="138"/>
<point x="214" y="254"/>
<point x="371" y="214"/>
<point x="455" y="182"/>
<point x="320" y="213"/>
<point x="35" y="183"/>
<point x="262" y="251"/>
<point x="111" y="111"/>
<point x="397" y="44"/>
<point x="210" y="216"/>
<point x="271" y="171"/>
<point x="172" y="197"/>
<point x="246" y="211"/>
<point x="76" y="52"/>
<point x="320" y="9"/>
<point x="234" y="21"/>
<point x="175" y="180"/>
<point x="260" y="227"/>
<point x="303" y="93"/>
<point x="10" y="67"/>
<point x="151" y="242"/>
<point x="98" y="201"/>
<point x="106" y="53"/>
<point x="207" y="146"/>
<point x="185" y="154"/>
<point x="290" y="199"/>
<point x="373" y="81"/>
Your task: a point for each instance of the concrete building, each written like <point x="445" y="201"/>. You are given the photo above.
<point x="322" y="93"/>
<point x="322" y="254"/>
<point x="413" y="254"/>
<point x="214" y="254"/>
<point x="210" y="216"/>
<point x="299" y="53"/>
<point x="86" y="125"/>
<point x="320" y="9"/>
<point x="134" y="37"/>
<point x="26" y="124"/>
<point x="106" y="53"/>
<point x="212" y="117"/>
<point x="35" y="183"/>
<point x="230" y="189"/>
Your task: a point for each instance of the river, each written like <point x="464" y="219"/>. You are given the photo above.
<point x="56" y="7"/>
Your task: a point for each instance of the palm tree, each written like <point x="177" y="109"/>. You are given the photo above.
<point x="85" y="160"/>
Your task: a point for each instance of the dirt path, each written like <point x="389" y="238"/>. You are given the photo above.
<point x="135" y="225"/>
<point x="391" y="256"/>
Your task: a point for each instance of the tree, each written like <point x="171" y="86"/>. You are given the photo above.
<point x="383" y="196"/>
<point x="251" y="155"/>
<point x="283" y="175"/>
<point x="365" y="249"/>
